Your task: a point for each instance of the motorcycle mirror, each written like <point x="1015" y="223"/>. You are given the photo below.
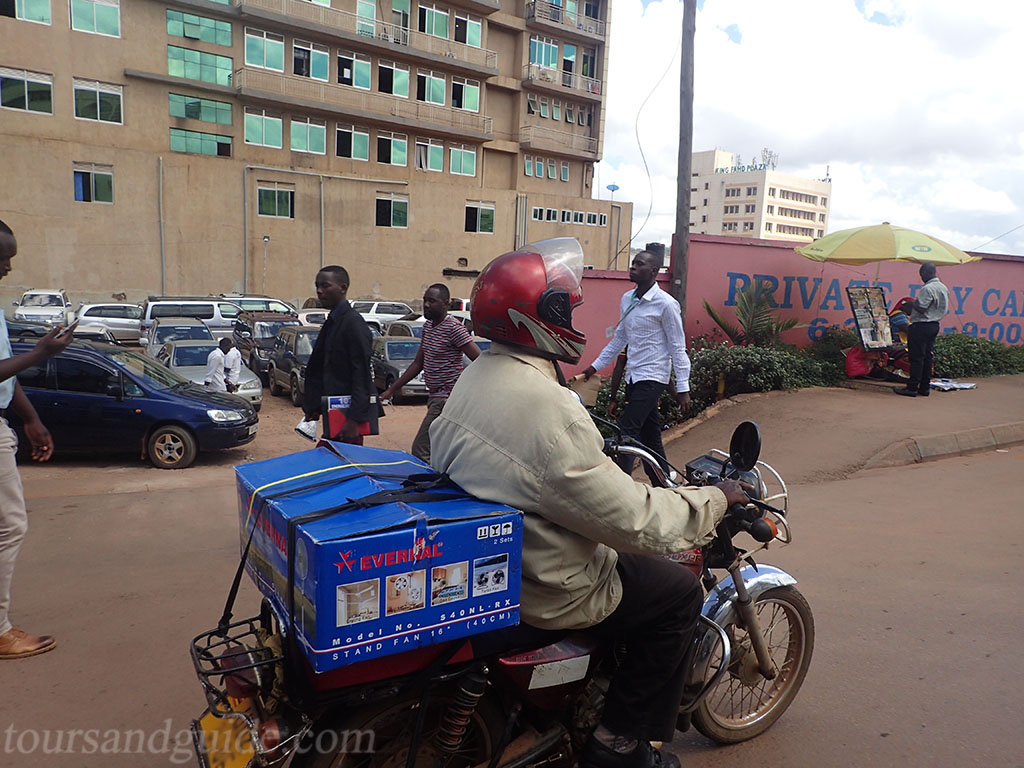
<point x="745" y="446"/>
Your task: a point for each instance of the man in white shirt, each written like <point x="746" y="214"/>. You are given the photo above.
<point x="651" y="325"/>
<point x="233" y="367"/>
<point x="216" y="376"/>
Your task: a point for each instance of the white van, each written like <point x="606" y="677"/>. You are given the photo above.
<point x="218" y="314"/>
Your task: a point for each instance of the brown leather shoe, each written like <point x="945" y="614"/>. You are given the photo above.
<point x="16" y="644"/>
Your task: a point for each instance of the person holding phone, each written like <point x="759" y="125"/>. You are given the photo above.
<point x="15" y="643"/>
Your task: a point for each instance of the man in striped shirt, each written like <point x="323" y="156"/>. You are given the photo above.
<point x="445" y="340"/>
<point x="651" y="325"/>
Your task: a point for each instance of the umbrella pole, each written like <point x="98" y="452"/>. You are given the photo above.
<point x="878" y="269"/>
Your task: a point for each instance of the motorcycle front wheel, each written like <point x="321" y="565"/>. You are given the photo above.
<point x="379" y="737"/>
<point x="745" y="703"/>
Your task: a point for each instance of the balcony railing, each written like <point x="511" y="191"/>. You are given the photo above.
<point x="555" y="78"/>
<point x="546" y="139"/>
<point x="556" y="14"/>
<point x="290" y="88"/>
<point x="351" y="23"/>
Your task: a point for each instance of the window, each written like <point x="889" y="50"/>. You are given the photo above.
<point x="309" y="135"/>
<point x="27" y="91"/>
<point x="27" y="10"/>
<point x="730" y="226"/>
<point x="768" y="226"/>
<point x="264" y="50"/>
<point x="392" y="211"/>
<point x="705" y="185"/>
<point x="430" y="86"/>
<point x="465" y="94"/>
<point x="263" y="129"/>
<point x="556" y="109"/>
<point x="592" y="8"/>
<point x="550" y="214"/>
<point x="705" y="201"/>
<point x="429" y="155"/>
<point x="732" y="192"/>
<point x="194" y="27"/>
<point x="731" y="209"/>
<point x="821" y="217"/>
<point x="467" y="30"/>
<point x="566" y="216"/>
<point x="195" y="108"/>
<point x="703" y="219"/>
<point x="551" y="170"/>
<point x="462" y="160"/>
<point x="771" y="209"/>
<point x="588" y="63"/>
<point x="528" y="165"/>
<point x="94" y="183"/>
<point x="824" y="201"/>
<point x="538" y="167"/>
<point x="570" y="113"/>
<point x="393" y="78"/>
<point x="311" y="60"/>
<point x="366" y="14"/>
<point x="820" y="233"/>
<point x="434" y="21"/>
<point x="195" y="65"/>
<point x="582" y="116"/>
<point x="537" y="214"/>
<point x="565" y="172"/>
<point x="747" y="226"/>
<point x="748" y="209"/>
<point x="771" y="191"/>
<point x="480" y="217"/>
<point x="391" y="148"/>
<point x="353" y="142"/>
<point x="274" y="199"/>
<point x="101" y="17"/>
<point x="81" y="376"/>
<point x="604" y="220"/>
<point x="568" y="64"/>
<point x="354" y="69"/>
<point x="544" y="106"/>
<point x="531" y="104"/>
<point x="97" y="101"/>
<point x="591" y="219"/>
<point x="577" y="217"/>
<point x="544" y="52"/>
<point x="751" y="191"/>
<point x="198" y="143"/>
<point x="399" y="15"/>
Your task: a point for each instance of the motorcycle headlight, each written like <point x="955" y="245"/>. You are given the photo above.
<point x="222" y="416"/>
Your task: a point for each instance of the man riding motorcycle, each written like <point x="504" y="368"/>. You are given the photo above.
<point x="510" y="433"/>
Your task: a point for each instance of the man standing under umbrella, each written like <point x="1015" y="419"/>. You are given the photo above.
<point x="930" y="306"/>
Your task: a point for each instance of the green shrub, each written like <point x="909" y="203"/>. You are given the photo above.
<point x="958" y="355"/>
<point x="828" y="352"/>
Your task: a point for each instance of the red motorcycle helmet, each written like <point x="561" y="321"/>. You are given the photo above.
<point x="525" y="299"/>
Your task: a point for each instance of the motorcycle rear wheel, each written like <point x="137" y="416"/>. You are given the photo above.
<point x="745" y="704"/>
<point x="391" y="724"/>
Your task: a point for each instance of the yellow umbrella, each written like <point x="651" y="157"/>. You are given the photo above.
<point x="883" y="242"/>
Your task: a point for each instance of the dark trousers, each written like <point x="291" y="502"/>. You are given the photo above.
<point x="640" y="420"/>
<point x="656" y="619"/>
<point x="920" y="350"/>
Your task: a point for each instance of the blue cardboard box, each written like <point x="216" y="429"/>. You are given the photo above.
<point x="367" y="566"/>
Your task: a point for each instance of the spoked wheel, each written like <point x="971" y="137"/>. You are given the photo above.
<point x="745" y="704"/>
<point x="379" y="737"/>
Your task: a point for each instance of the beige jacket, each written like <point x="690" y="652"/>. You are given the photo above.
<point x="509" y="433"/>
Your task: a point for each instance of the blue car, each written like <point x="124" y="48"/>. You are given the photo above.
<point x="103" y="397"/>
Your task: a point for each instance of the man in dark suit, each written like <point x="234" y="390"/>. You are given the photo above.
<point x="340" y="362"/>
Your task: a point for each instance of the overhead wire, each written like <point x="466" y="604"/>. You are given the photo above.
<point x="997" y="238"/>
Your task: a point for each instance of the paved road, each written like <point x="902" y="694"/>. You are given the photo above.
<point x="912" y="574"/>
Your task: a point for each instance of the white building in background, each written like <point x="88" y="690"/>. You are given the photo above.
<point x="755" y="200"/>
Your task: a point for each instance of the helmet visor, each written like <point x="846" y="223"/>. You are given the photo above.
<point x="563" y="261"/>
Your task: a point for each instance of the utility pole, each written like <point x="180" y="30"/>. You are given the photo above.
<point x="681" y="241"/>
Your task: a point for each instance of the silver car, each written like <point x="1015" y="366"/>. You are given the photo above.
<point x="188" y="359"/>
<point x="122" y="320"/>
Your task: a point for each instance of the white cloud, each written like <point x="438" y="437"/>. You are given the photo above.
<point x="913" y="113"/>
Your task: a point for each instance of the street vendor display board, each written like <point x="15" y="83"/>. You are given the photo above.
<point x="871" y="316"/>
<point x="365" y="560"/>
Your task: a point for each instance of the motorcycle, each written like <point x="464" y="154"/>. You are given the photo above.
<point x="519" y="697"/>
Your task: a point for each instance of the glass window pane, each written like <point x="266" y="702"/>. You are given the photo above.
<point x="83" y="187"/>
<point x="86" y="104"/>
<point x="436" y="161"/>
<point x="361" y="146"/>
<point x="253" y="128"/>
<point x="399" y="213"/>
<point x="177" y="140"/>
<point x="12" y="93"/>
<point x="34" y="10"/>
<point x="528" y="167"/>
<point x="40" y="97"/>
<point x="400" y="83"/>
<point x="472" y="98"/>
<point x="400" y="5"/>
<point x="81" y="15"/>
<point x="275" y="55"/>
<point x="436" y="90"/>
<point x="474" y="34"/>
<point x="318" y="139"/>
<point x="104" y="187"/>
<point x="362" y="74"/>
<point x="273" y="130"/>
<point x="108" y="19"/>
<point x="538" y="166"/>
<point x="110" y="107"/>
<point x="253" y="50"/>
<point x="487" y="220"/>
<point x="299" y="136"/>
<point x="469" y="163"/>
<point x="398" y="152"/>
<point x="285" y="200"/>
<point x="320" y="65"/>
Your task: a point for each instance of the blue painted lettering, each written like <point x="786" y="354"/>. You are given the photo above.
<point x="960" y="295"/>
<point x="993" y="292"/>
<point x="771" y="284"/>
<point x="804" y="298"/>
<point x="737" y="282"/>
<point x="1010" y="306"/>
<point x="834" y="295"/>
<point x="787" y="302"/>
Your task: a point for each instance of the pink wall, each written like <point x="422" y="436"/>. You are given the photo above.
<point x="986" y="297"/>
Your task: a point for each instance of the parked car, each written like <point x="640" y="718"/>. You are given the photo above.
<point x="458" y="305"/>
<point x="91" y="332"/>
<point x="482" y="344"/>
<point x="416" y="319"/>
<point x="388" y="360"/>
<point x="407" y="328"/>
<point x="260" y="303"/>
<point x="166" y="329"/>
<point x="102" y="397"/>
<point x="378" y="314"/>
<point x="313" y="316"/>
<point x="286" y="368"/>
<point x="25" y="329"/>
<point x="124" y="321"/>
<point x="44" y="305"/>
<point x="188" y="359"/>
<point x="254" y="335"/>
<point x="219" y="315"/>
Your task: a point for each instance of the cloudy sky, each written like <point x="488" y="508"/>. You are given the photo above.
<point x="913" y="106"/>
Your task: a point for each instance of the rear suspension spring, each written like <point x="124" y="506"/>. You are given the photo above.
<point x="458" y="714"/>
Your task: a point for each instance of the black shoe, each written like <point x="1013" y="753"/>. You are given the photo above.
<point x="597" y="755"/>
<point x="924" y="394"/>
<point x="905" y="391"/>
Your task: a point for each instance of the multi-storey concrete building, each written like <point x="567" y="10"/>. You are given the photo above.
<point x="755" y="200"/>
<point x="197" y="146"/>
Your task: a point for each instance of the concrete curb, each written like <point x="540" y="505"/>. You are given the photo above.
<point x="673" y="433"/>
<point x="915" y="450"/>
